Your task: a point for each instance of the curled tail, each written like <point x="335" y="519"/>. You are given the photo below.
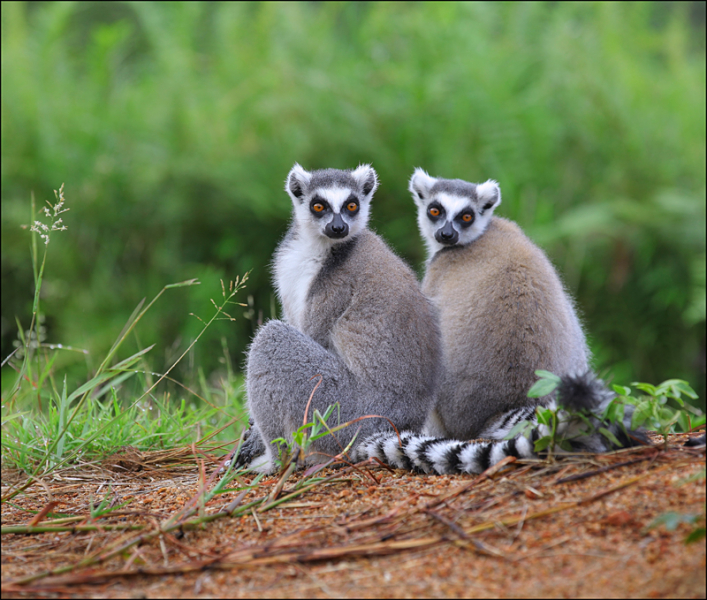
<point x="584" y="396"/>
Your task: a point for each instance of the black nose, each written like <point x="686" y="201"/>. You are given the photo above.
<point x="447" y="234"/>
<point x="337" y="228"/>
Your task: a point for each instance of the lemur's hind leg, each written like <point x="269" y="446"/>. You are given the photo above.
<point x="282" y="370"/>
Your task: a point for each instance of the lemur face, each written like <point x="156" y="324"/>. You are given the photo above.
<point x="452" y="212"/>
<point x="331" y="203"/>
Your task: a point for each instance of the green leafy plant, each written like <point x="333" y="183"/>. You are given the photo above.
<point x="660" y="408"/>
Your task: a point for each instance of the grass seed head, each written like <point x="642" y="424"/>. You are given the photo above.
<point x="52" y="211"/>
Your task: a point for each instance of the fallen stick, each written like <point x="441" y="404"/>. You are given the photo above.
<point x="29" y="530"/>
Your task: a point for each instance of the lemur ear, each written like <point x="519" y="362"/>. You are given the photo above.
<point x="296" y="183"/>
<point x="366" y="177"/>
<point x="489" y="195"/>
<point x="420" y="186"/>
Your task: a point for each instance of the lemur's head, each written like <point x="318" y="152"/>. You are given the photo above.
<point x="332" y="203"/>
<point x="452" y="212"/>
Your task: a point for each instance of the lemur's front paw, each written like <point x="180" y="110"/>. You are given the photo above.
<point x="251" y="447"/>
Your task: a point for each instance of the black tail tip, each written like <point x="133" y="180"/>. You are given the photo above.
<point x="582" y="392"/>
<point x="696" y="441"/>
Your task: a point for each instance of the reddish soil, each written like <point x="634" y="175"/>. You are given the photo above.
<point x="524" y="531"/>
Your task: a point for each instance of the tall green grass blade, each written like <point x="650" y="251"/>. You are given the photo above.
<point x="127" y="327"/>
<point x="63" y="408"/>
<point x="131" y="360"/>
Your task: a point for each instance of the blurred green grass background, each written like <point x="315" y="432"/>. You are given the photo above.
<point x="173" y="126"/>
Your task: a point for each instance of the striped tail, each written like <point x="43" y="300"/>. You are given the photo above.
<point x="584" y="394"/>
<point x="438" y="455"/>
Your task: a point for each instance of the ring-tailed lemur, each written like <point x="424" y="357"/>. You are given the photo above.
<point x="354" y="315"/>
<point x="503" y="313"/>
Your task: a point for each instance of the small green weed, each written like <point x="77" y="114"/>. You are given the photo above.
<point x="671" y="519"/>
<point x="106" y="506"/>
<point x="296" y="450"/>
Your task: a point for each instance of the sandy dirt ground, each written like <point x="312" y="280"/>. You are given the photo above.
<point x="578" y="527"/>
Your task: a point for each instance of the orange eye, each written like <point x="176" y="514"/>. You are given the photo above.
<point x="317" y="207"/>
<point x="434" y="212"/>
<point x="467" y="218"/>
<point x="352" y="206"/>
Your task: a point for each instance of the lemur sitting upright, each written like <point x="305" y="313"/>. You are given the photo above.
<point x="503" y="313"/>
<point x="503" y="309"/>
<point x="354" y="314"/>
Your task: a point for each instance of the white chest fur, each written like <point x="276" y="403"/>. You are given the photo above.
<point x="297" y="262"/>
